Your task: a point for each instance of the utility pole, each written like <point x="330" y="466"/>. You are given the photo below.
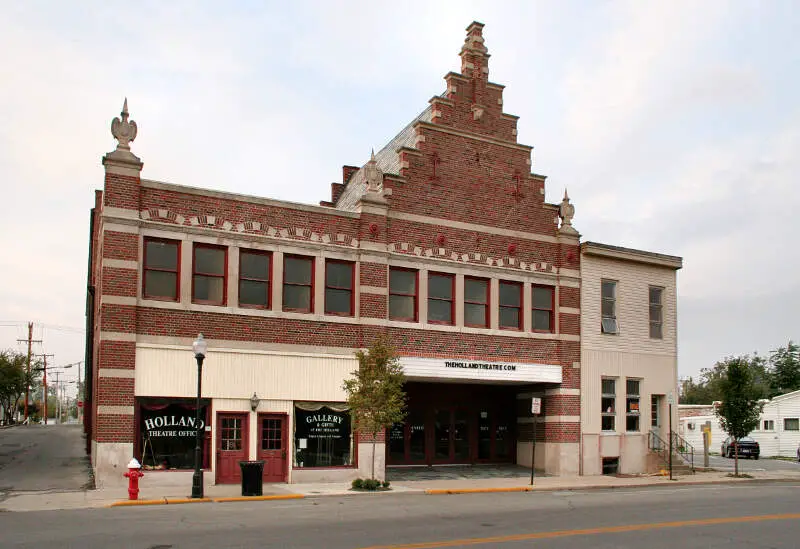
<point x="44" y="381"/>
<point x="29" y="341"/>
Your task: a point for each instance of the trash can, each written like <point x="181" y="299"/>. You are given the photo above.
<point x="252" y="472"/>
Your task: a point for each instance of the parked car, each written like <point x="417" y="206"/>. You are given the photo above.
<point x="748" y="447"/>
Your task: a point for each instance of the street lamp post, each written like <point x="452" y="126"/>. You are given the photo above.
<point x="199" y="347"/>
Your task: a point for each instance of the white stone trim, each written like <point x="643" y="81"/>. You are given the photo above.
<point x="121" y="264"/>
<point x="376" y="290"/>
<point x="569" y="310"/>
<point x="103" y="410"/>
<point x="162" y="185"/>
<point x="247" y="347"/>
<point x="122" y="228"/>
<point x="428" y="220"/>
<point x="562" y="391"/>
<point x="117" y="300"/>
<point x="123" y="213"/>
<point x="117" y="373"/>
<point x="549" y="419"/>
<point x="475" y="137"/>
<point x="117" y="336"/>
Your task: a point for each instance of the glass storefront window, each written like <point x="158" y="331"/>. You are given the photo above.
<point x="167" y="434"/>
<point x="322" y="436"/>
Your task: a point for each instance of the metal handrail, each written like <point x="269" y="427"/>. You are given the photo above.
<point x="683" y="448"/>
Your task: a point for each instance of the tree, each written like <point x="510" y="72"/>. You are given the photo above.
<point x="709" y="388"/>
<point x="785" y="369"/>
<point x="13" y="381"/>
<point x="375" y="393"/>
<point x="740" y="409"/>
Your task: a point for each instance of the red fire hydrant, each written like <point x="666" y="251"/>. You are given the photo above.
<point x="134" y="474"/>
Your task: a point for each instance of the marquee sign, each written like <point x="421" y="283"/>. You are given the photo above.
<point x="478" y="370"/>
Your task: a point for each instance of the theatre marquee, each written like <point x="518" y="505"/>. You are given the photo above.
<point x="444" y="369"/>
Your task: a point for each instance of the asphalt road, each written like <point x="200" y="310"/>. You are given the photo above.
<point x="729" y="516"/>
<point x="36" y="458"/>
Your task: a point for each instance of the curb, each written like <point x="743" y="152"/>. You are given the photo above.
<point x="258" y="498"/>
<point x="162" y="501"/>
<point x="454" y="491"/>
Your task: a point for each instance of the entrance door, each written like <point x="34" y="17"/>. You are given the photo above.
<point x="231" y="447"/>
<point x="494" y="436"/>
<point x="272" y="449"/>
<point x="451" y="436"/>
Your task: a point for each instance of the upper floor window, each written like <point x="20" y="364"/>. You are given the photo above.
<point x="656" y="330"/>
<point x="476" y="302"/>
<point x="769" y="424"/>
<point x="298" y="284"/>
<point x="632" y="400"/>
<point x="161" y="278"/>
<point x="608" y="404"/>
<point x="608" y="292"/>
<point x="511" y="305"/>
<point x="791" y="424"/>
<point x="209" y="274"/>
<point x="440" y="298"/>
<point x="402" y="294"/>
<point x="543" y="305"/>
<point x="339" y="287"/>
<point x="255" y="269"/>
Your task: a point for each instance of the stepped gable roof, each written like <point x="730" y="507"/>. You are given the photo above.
<point x="387" y="159"/>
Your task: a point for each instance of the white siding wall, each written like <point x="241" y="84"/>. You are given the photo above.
<point x="232" y="374"/>
<point x="631" y="354"/>
<point x="777" y="442"/>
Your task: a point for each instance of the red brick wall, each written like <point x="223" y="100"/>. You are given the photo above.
<point x="114" y="428"/>
<point x="120" y="246"/>
<point x="374" y="274"/>
<point x="119" y="282"/>
<point x="570" y="297"/>
<point x="118" y="354"/>
<point x="115" y="391"/>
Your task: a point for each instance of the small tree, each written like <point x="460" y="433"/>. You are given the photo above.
<point x="375" y="393"/>
<point x="740" y="410"/>
<point x="13" y="381"/>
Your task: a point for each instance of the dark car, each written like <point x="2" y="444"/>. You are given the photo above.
<point x="747" y="448"/>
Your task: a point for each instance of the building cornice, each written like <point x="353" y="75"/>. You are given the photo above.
<point x="630" y="254"/>
<point x="476" y="137"/>
<point x="224" y="195"/>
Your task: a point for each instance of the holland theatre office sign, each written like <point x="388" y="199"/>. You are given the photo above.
<point x="168" y="435"/>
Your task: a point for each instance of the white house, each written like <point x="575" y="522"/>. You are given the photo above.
<point x="629" y="362"/>
<point x="778" y="432"/>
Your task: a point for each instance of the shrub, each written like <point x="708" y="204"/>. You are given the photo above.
<point x="371" y="484"/>
<point x="385" y="483"/>
<point x="358" y="484"/>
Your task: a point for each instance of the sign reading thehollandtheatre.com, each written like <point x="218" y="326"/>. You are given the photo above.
<point x="458" y="369"/>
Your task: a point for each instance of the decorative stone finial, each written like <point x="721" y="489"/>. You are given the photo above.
<point x="373" y="175"/>
<point x="124" y="131"/>
<point x="566" y="212"/>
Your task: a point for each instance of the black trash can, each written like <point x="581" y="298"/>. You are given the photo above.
<point x="252" y="472"/>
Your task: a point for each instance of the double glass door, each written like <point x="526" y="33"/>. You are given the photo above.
<point x="451" y="435"/>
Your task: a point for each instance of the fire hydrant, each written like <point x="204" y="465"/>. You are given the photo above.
<point x="134" y="474"/>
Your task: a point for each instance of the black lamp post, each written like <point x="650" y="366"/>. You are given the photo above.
<point x="199" y="347"/>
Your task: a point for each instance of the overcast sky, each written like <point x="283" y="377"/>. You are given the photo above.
<point x="675" y="126"/>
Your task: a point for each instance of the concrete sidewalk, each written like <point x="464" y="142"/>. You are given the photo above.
<point x="217" y="494"/>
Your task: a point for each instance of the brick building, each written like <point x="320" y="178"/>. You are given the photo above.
<point x="442" y="241"/>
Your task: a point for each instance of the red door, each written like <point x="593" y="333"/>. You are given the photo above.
<point x="232" y="435"/>
<point x="272" y="448"/>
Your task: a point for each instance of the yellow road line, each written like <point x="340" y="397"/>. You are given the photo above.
<point x="587" y="532"/>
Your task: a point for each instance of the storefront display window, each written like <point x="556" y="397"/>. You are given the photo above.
<point x="167" y="434"/>
<point x="322" y="435"/>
